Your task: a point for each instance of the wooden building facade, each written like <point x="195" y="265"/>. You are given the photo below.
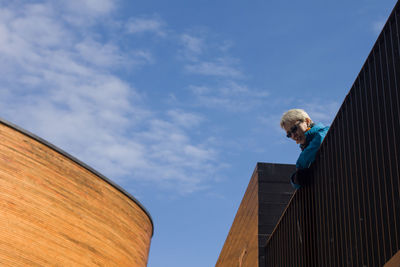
<point x="266" y="197"/>
<point x="57" y="211"/>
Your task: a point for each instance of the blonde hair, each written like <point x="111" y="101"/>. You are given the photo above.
<point x="293" y="115"/>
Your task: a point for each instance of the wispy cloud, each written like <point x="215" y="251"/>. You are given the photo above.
<point x="377" y="26"/>
<point x="193" y="47"/>
<point x="230" y="97"/>
<point x="57" y="81"/>
<point x="110" y="55"/>
<point x="99" y="54"/>
<point x="89" y="7"/>
<point x="322" y="111"/>
<point x="144" y="24"/>
<point x="223" y="67"/>
<point x="184" y="119"/>
<point x="209" y="59"/>
<point x="84" y="13"/>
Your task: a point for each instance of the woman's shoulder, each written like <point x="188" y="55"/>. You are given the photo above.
<point x="314" y="138"/>
<point x="323" y="130"/>
<point x="319" y="128"/>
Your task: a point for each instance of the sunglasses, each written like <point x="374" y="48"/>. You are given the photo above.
<point x="292" y="130"/>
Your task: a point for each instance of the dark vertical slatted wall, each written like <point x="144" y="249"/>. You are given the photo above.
<point x="350" y="215"/>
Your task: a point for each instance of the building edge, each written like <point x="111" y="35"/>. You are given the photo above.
<point x="79" y="162"/>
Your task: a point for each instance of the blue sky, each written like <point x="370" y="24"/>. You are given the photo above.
<point x="176" y="101"/>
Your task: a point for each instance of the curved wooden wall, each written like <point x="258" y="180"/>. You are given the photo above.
<point x="56" y="211"/>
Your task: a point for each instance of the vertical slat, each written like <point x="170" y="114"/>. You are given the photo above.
<point x="314" y="207"/>
<point x="325" y="257"/>
<point x="345" y="180"/>
<point x="273" y="248"/>
<point x="350" y="193"/>
<point x="319" y="217"/>
<point x="335" y="202"/>
<point x="269" y="254"/>
<point x="290" y="252"/>
<point x="358" y="177"/>
<point x="304" y="222"/>
<point x="278" y="248"/>
<point x="353" y="162"/>
<point x="370" y="196"/>
<point x="377" y="153"/>
<point x="383" y="150"/>
<point x="386" y="146"/>
<point x="371" y="168"/>
<point x="331" y="188"/>
<point x="393" y="55"/>
<point x="396" y="108"/>
<point x="319" y="243"/>
<point x="340" y="208"/>
<point x="284" y="247"/>
<point x="301" y="221"/>
<point x="297" y="229"/>
<point x="309" y="226"/>
<point x="289" y="246"/>
<point x="293" y="241"/>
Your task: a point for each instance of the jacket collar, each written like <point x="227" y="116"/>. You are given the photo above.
<point x="309" y="134"/>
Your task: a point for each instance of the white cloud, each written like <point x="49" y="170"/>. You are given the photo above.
<point x="207" y="58"/>
<point x="192" y="46"/>
<point x="321" y="111"/>
<point x="142" y="25"/>
<point x="109" y="54"/>
<point x="223" y="67"/>
<point x="377" y="26"/>
<point x="81" y="13"/>
<point x="99" y="54"/>
<point x="231" y="96"/>
<point x="184" y="119"/>
<point x="39" y="30"/>
<point x="142" y="56"/>
<point x="57" y="81"/>
<point x="84" y="9"/>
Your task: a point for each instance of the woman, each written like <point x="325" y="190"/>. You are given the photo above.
<point x="299" y="126"/>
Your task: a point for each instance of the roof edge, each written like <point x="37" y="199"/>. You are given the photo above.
<point x="84" y="165"/>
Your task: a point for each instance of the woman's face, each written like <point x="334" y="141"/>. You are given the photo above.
<point x="296" y="130"/>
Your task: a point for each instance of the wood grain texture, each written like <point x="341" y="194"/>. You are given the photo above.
<point x="394" y="261"/>
<point x="267" y="195"/>
<point x="241" y="245"/>
<point x="55" y="212"/>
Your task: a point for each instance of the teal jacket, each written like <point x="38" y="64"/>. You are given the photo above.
<point x="314" y="138"/>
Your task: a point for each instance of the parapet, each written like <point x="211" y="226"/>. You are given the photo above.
<point x="266" y="197"/>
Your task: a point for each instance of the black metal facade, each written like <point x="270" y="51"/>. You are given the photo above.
<point x="350" y="215"/>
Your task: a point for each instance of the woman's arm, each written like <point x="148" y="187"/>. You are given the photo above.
<point x="307" y="156"/>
